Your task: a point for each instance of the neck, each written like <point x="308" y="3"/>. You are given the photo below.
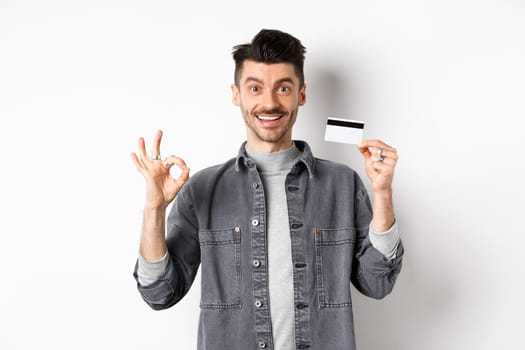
<point x="261" y="146"/>
<point x="269" y="147"/>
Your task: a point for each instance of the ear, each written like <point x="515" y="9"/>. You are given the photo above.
<point x="302" y="95"/>
<point x="236" y="98"/>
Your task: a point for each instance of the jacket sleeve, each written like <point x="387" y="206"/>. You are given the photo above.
<point x="184" y="256"/>
<point x="373" y="274"/>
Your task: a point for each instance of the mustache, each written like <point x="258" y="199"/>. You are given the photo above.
<point x="270" y="111"/>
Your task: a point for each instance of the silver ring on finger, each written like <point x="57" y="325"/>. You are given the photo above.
<point x="156" y="157"/>
<point x="167" y="163"/>
<point x="380" y="154"/>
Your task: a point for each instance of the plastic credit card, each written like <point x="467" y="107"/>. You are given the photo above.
<point x="344" y="130"/>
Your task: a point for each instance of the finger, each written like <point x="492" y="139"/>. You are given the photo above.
<point x="156" y="143"/>
<point x="138" y="164"/>
<point x="384" y="156"/>
<point x="373" y="143"/>
<point x="179" y="162"/>
<point x="184" y="176"/>
<point x="144" y="158"/>
<point x="383" y="167"/>
<point x="387" y="152"/>
<point x="171" y="160"/>
<point x="386" y="161"/>
<point x="365" y="151"/>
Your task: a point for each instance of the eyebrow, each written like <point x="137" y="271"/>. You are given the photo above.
<point x="259" y="81"/>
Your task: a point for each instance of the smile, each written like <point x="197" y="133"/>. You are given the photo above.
<point x="269" y="118"/>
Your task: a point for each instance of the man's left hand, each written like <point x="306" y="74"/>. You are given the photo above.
<point x="380" y="162"/>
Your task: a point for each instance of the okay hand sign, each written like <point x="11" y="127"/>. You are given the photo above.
<point x="161" y="187"/>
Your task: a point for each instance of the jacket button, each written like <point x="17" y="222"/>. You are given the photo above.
<point x="258" y="303"/>
<point x="256" y="263"/>
<point x="255" y="222"/>
<point x="237" y="229"/>
<point x="262" y="345"/>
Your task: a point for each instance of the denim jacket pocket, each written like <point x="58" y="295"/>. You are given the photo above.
<point x="220" y="268"/>
<point x="334" y="249"/>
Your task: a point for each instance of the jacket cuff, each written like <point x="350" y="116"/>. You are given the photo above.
<point x="150" y="271"/>
<point x="386" y="242"/>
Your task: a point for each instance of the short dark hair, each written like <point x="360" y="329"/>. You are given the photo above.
<point x="270" y="46"/>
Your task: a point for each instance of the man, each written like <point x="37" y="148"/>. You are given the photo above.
<point x="279" y="235"/>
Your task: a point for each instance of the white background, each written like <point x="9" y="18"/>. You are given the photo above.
<point x="80" y="81"/>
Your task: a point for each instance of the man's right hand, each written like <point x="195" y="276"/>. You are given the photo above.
<point x="161" y="187"/>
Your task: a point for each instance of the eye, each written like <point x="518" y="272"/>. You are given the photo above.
<point x="283" y="89"/>
<point x="254" y="88"/>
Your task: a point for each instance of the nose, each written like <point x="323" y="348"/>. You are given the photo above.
<point x="269" y="100"/>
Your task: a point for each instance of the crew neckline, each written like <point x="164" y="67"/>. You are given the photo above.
<point x="276" y="161"/>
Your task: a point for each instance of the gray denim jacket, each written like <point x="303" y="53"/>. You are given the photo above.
<point x="218" y="222"/>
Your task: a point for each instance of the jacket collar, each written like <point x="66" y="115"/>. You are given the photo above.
<point x="306" y="158"/>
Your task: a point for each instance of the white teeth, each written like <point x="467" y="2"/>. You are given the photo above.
<point x="263" y="117"/>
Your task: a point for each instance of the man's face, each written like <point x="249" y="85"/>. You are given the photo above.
<point x="269" y="96"/>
